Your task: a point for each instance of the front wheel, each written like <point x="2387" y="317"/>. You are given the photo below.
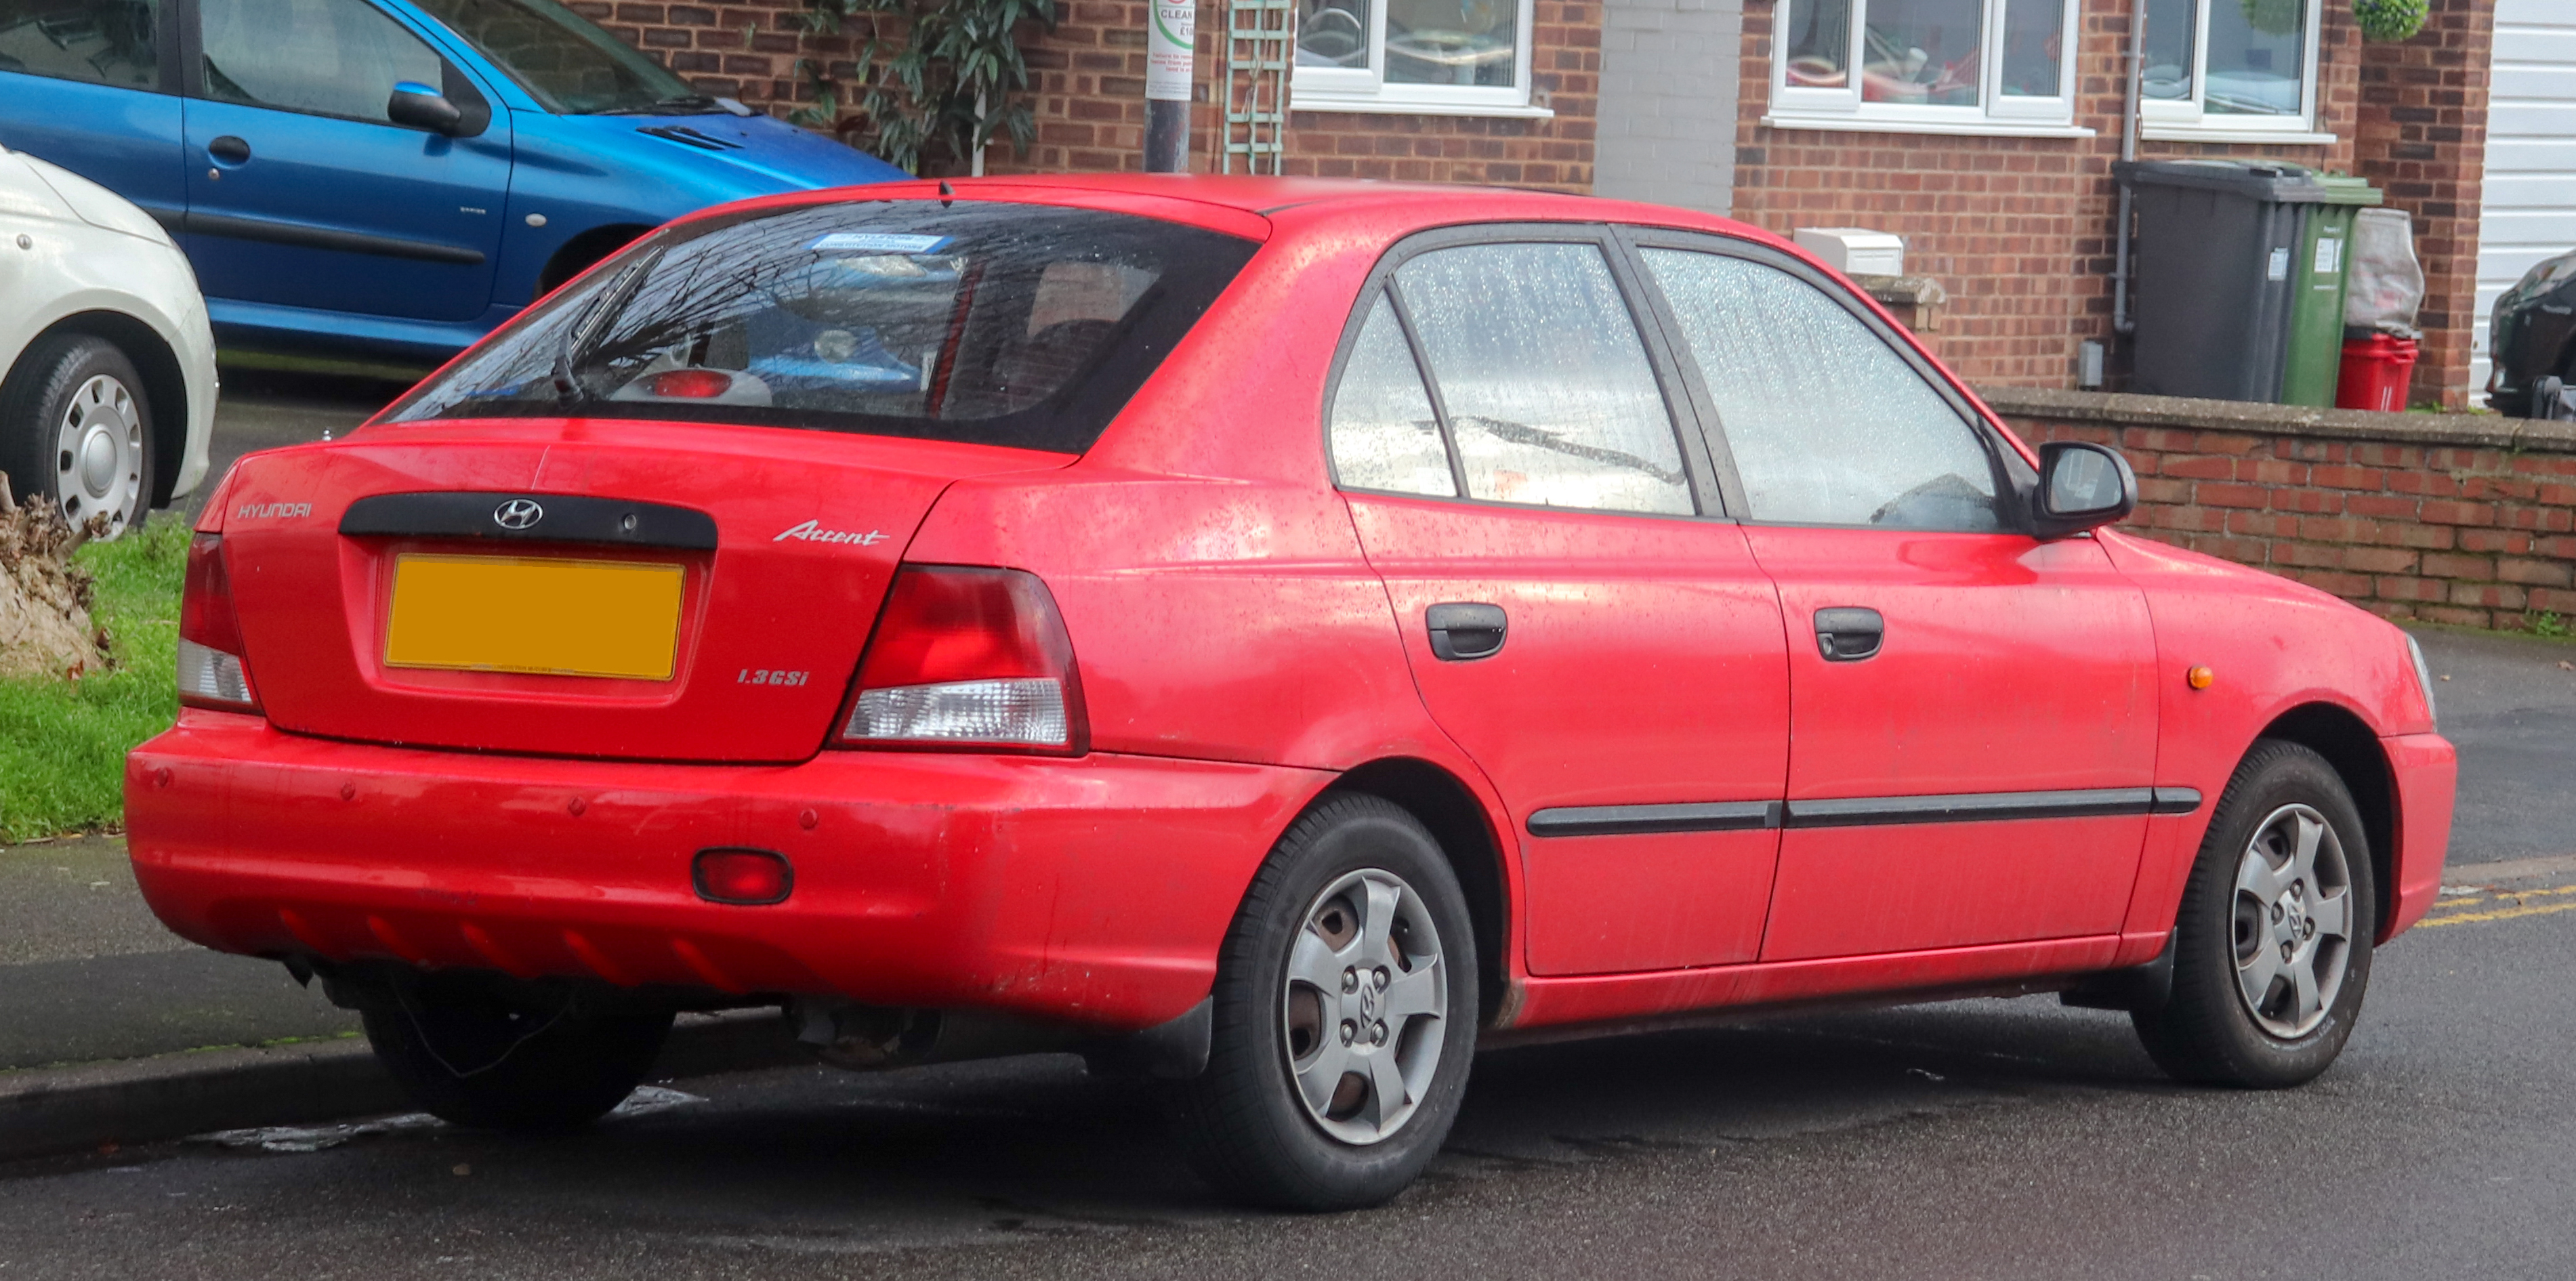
<point x="475" y="1054"/>
<point x="76" y="432"/>
<point x="1344" y="1017"/>
<point x="2273" y="944"/>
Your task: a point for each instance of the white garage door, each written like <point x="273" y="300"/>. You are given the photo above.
<point x="2530" y="202"/>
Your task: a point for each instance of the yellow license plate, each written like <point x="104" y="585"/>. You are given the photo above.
<point x="522" y="614"/>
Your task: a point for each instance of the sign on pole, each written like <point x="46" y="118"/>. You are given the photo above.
<point x="1169" y="45"/>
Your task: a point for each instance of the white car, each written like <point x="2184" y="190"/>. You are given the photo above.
<point x="110" y="392"/>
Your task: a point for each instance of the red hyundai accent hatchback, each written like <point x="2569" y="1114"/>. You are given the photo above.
<point x="1273" y="635"/>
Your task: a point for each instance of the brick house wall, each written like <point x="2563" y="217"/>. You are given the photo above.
<point x="2019" y="230"/>
<point x="2450" y="518"/>
<point x="2422" y="139"/>
<point x="1088" y="82"/>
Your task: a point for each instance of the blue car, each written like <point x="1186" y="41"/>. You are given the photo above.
<point x="385" y="176"/>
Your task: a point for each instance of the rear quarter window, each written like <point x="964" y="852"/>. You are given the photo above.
<point x="986" y="323"/>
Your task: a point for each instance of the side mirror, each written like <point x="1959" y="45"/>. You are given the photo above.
<point x="2080" y="486"/>
<point x="421" y="107"/>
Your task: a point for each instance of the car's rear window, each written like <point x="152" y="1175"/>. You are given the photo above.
<point x="990" y="323"/>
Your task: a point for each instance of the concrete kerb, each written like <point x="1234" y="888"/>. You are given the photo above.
<point x="47" y="1111"/>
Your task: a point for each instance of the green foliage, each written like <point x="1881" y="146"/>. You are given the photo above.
<point x="934" y="77"/>
<point x="2275" y="17"/>
<point x="2389" y="20"/>
<point x="63" y="742"/>
<point x="2545" y="623"/>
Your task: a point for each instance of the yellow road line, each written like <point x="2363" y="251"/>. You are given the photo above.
<point x="2564" y="889"/>
<point x="2501" y="914"/>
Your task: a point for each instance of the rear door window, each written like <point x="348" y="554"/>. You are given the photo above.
<point x="984" y="322"/>
<point x="1385" y="434"/>
<point x="1827" y="423"/>
<point x="1541" y="383"/>
<point x="108" y="42"/>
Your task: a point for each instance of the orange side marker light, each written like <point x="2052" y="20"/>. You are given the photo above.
<point x="2200" y="678"/>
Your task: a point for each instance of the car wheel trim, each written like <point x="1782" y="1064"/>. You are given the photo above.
<point x="98" y="453"/>
<point x="1366" y="995"/>
<point x="2293" y="921"/>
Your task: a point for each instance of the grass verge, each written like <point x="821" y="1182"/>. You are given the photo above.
<point x="63" y="742"/>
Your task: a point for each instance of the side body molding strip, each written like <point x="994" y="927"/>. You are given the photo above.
<point x="1860" y="811"/>
<point x="1638" y="820"/>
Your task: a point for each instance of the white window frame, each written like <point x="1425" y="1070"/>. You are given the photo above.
<point x="1808" y="107"/>
<point x="1367" y="89"/>
<point x="2172" y="121"/>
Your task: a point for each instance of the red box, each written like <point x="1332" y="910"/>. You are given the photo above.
<point x="2376" y="373"/>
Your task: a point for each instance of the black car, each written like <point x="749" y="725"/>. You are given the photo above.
<point x="2534" y="341"/>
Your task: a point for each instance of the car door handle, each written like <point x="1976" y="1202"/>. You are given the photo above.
<point x="1464" y="631"/>
<point x="1849" y="634"/>
<point x="229" y="148"/>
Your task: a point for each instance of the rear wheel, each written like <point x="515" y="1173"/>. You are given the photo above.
<point x="473" y="1054"/>
<point x="76" y="432"/>
<point x="2272" y="948"/>
<point x="1344" y="1017"/>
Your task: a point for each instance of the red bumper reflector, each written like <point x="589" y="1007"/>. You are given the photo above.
<point x="745" y="878"/>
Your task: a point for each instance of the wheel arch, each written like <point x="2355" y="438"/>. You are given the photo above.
<point x="165" y="385"/>
<point x="1447" y="806"/>
<point x="576" y="255"/>
<point x="2352" y="748"/>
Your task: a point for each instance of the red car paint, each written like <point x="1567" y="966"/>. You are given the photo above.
<point x="1247" y="636"/>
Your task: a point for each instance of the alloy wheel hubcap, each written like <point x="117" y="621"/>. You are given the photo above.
<point x="1365" y="1004"/>
<point x="2293" y="921"/>
<point x="99" y="453"/>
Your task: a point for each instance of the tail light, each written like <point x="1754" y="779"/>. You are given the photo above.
<point x="691" y="384"/>
<point x="968" y="658"/>
<point x="211" y="670"/>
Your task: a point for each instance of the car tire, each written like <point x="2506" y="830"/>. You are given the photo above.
<point x="76" y="432"/>
<point x="472" y="1055"/>
<point x="2283" y="888"/>
<point x="1334" y="1094"/>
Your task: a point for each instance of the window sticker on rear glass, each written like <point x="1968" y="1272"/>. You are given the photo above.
<point x="878" y="242"/>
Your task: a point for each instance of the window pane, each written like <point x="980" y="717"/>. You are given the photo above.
<point x="1549" y="395"/>
<point x="1384" y="434"/>
<point x="326" y="57"/>
<point x="107" y="42"/>
<point x="1827" y="424"/>
<point x="1921" y="52"/>
<point x="1452" y="42"/>
<point x="1819" y="41"/>
<point x="2170" y="28"/>
<point x="988" y="323"/>
<point x="2257" y="54"/>
<point x="2034" y="42"/>
<point x="1333" y="33"/>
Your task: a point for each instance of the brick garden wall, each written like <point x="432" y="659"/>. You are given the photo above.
<point x="2451" y="518"/>
<point x="2019" y="230"/>
<point x="1089" y="81"/>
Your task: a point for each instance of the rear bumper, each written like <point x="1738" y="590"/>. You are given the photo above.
<point x="2425" y="771"/>
<point x="1094" y="891"/>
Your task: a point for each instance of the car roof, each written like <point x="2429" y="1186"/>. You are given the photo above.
<point x="1427" y="204"/>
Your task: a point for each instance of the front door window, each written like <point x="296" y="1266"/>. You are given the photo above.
<point x="318" y="57"/>
<point x="1828" y="424"/>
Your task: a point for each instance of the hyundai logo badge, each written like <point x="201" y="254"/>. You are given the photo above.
<point x="518" y="513"/>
